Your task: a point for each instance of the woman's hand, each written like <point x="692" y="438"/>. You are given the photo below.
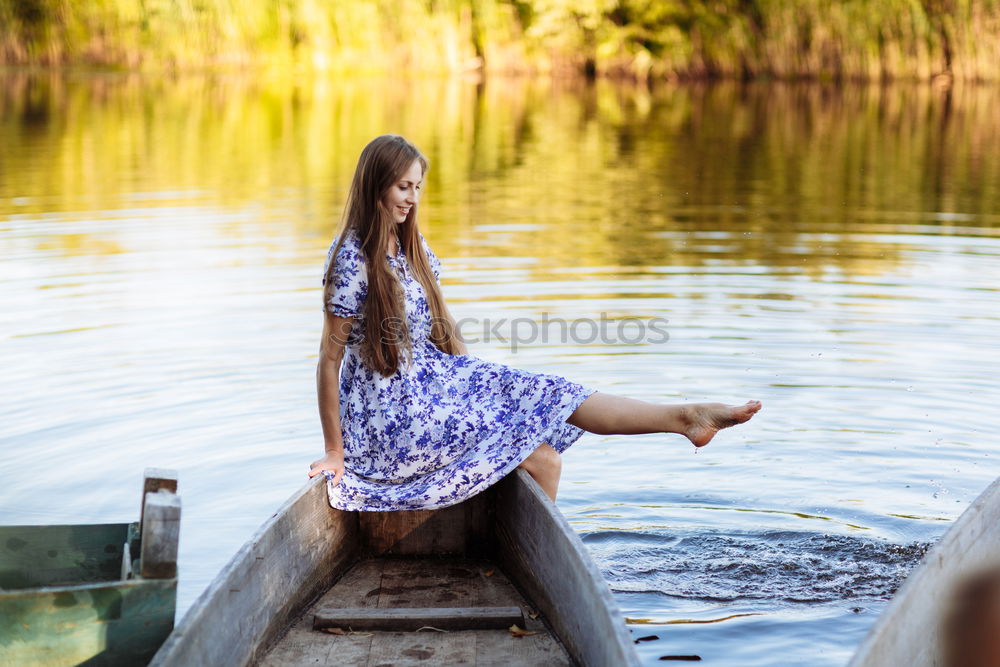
<point x="333" y="461"/>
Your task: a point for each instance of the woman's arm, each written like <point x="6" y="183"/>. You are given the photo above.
<point x="331" y="352"/>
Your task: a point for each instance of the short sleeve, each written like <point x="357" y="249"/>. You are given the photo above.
<point x="432" y="259"/>
<point x="350" y="279"/>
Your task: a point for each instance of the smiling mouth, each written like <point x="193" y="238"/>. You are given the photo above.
<point x="404" y="211"/>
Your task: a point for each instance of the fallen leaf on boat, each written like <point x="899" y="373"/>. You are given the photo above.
<point x="335" y="631"/>
<point x="519" y="632"/>
<point x="430" y="627"/>
<point x="532" y="614"/>
<point x="488" y="573"/>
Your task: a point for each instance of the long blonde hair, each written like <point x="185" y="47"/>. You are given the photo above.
<point x="385" y="340"/>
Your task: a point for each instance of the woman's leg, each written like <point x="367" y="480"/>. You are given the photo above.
<point x="544" y="465"/>
<point x="607" y="414"/>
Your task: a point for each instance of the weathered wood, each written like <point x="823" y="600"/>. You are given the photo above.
<point x="461" y="530"/>
<point x="304" y="646"/>
<point x="493" y="588"/>
<point x="546" y="557"/>
<point x="909" y="631"/>
<point x="154" y="479"/>
<point x="427" y="583"/>
<point x="411" y="619"/>
<point x="161" y="529"/>
<point x="33" y="556"/>
<point x="237" y="620"/>
<point x="421" y="649"/>
<point x="295" y="556"/>
<point x="502" y="649"/>
<point x="360" y="586"/>
<point x="376" y="582"/>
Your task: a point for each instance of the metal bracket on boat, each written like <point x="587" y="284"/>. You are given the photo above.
<point x="130" y="551"/>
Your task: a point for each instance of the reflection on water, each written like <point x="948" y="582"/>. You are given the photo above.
<point x="832" y="251"/>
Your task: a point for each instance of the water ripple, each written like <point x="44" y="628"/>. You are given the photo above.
<point x="788" y="566"/>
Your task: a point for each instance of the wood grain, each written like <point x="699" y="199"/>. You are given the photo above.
<point x="461" y="530"/>
<point x="909" y="631"/>
<point x="412" y="619"/>
<point x="154" y="479"/>
<point x="294" y="557"/>
<point x="550" y="563"/>
<point x="161" y="530"/>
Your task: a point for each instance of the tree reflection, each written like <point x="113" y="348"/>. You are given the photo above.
<point x="571" y="174"/>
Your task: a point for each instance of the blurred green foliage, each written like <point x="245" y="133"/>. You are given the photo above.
<point x="834" y="39"/>
<point x="802" y="177"/>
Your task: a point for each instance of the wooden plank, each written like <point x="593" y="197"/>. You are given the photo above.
<point x="293" y="557"/>
<point x="384" y="580"/>
<point x="411" y="619"/>
<point x="493" y="588"/>
<point x="909" y="631"/>
<point x="32" y="556"/>
<point x="547" y="559"/>
<point x="298" y="648"/>
<point x="420" y="649"/>
<point x="117" y="623"/>
<point x="304" y="646"/>
<point x="161" y="529"/>
<point x="427" y="582"/>
<point x="360" y="586"/>
<point x="501" y="649"/>
<point x="154" y="479"/>
<point x="461" y="529"/>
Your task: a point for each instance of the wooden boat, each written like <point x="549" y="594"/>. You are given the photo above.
<point x="317" y="585"/>
<point x="100" y="594"/>
<point x="957" y="575"/>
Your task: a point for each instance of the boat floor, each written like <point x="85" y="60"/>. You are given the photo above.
<point x="424" y="582"/>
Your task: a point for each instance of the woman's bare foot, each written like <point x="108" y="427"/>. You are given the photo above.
<point x="704" y="420"/>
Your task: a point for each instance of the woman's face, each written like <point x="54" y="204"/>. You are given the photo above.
<point x="404" y="193"/>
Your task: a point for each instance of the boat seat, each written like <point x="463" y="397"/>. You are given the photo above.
<point x="418" y="618"/>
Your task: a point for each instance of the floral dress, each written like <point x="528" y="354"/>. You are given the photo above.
<point x="443" y="427"/>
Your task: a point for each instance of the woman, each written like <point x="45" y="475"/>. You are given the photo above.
<point x="410" y="421"/>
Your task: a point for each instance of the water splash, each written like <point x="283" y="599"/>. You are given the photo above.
<point x="776" y="566"/>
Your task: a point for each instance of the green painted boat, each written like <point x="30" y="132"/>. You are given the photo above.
<point x="102" y="594"/>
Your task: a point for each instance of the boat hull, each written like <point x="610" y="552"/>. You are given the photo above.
<point x="97" y="594"/>
<point x="306" y="547"/>
<point x="912" y="629"/>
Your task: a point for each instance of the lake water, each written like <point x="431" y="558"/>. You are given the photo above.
<point x="832" y="251"/>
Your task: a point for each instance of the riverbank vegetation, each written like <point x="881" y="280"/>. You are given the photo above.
<point x="809" y="177"/>
<point x="643" y="39"/>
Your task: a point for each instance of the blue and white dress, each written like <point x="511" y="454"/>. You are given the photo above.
<point x="443" y="427"/>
